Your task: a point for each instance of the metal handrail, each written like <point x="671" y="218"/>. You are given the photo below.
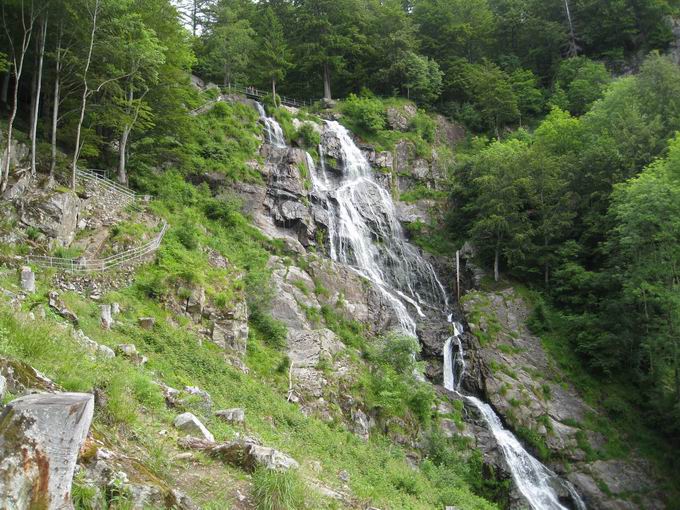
<point x="86" y="266"/>
<point x="93" y="176"/>
<point x="259" y="94"/>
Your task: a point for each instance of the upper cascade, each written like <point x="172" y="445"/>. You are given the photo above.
<point x="273" y="131"/>
<point x="364" y="232"/>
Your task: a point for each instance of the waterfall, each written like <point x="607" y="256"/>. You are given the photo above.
<point x="273" y="131"/>
<point x="365" y="234"/>
<point x="534" y="480"/>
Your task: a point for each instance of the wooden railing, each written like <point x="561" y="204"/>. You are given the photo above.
<point x="87" y="266"/>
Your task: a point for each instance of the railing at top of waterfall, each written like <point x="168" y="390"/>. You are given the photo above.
<point x="87" y="266"/>
<point x="100" y="177"/>
<point x="254" y="93"/>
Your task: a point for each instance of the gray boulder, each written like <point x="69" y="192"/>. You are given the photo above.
<point x="40" y="437"/>
<point x="106" y="316"/>
<point x="3" y="386"/>
<point x="236" y="415"/>
<point x="244" y="453"/>
<point x="53" y="213"/>
<point x="187" y="422"/>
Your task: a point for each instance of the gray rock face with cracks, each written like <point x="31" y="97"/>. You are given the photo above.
<point x="40" y="437"/>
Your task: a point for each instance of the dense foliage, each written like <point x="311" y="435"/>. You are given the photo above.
<point x="587" y="208"/>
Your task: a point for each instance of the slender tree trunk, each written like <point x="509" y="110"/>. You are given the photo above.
<point x="5" y="87"/>
<point x="274" y="92"/>
<point x="86" y="91"/>
<point x="326" y="81"/>
<point x="55" y="106"/>
<point x="496" y="262"/>
<point x="573" y="47"/>
<point x="18" y="69"/>
<point x="36" y="109"/>
<point x="122" y="173"/>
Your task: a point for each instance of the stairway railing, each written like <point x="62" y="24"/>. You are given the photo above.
<point x="80" y="265"/>
<point x="109" y="184"/>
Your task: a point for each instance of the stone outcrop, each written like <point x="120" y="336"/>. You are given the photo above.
<point x="27" y="280"/>
<point x="54" y="213"/>
<point x="40" y="437"/>
<point x="246" y="454"/>
<point x="400" y="118"/>
<point x="236" y="415"/>
<point x="22" y="378"/>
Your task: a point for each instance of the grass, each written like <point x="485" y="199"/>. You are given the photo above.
<point x="278" y="490"/>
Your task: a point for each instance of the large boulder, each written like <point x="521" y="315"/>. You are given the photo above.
<point x="400" y="118"/>
<point x="55" y="213"/>
<point x="244" y="453"/>
<point x="40" y="437"/>
<point x="187" y="422"/>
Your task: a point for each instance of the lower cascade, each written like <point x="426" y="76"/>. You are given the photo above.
<point x="535" y="481"/>
<point x="365" y="234"/>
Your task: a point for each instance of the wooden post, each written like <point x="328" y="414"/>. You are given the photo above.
<point x="458" y="274"/>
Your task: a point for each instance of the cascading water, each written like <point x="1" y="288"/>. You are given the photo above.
<point x="274" y="133"/>
<point x="366" y="235"/>
<point x="534" y="480"/>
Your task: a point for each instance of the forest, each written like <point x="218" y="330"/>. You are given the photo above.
<point x="568" y="180"/>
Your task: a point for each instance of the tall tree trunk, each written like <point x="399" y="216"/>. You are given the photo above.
<point x="326" y="81"/>
<point x="274" y="92"/>
<point x="86" y="91"/>
<point x="122" y="173"/>
<point x="18" y="63"/>
<point x="55" y="105"/>
<point x="5" y="87"/>
<point x="496" y="262"/>
<point x="573" y="47"/>
<point x="36" y="110"/>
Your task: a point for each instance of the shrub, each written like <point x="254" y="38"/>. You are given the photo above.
<point x="278" y="490"/>
<point x="307" y="136"/>
<point x="367" y="113"/>
<point x="424" y="125"/>
<point x="273" y="331"/>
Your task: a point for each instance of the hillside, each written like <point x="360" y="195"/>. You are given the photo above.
<point x="455" y="287"/>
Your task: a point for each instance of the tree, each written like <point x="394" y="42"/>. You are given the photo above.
<point x="420" y="76"/>
<point x="499" y="224"/>
<point x="645" y="249"/>
<point x="273" y="57"/>
<point x="583" y="82"/>
<point x="228" y="46"/>
<point x="138" y="56"/>
<point x="28" y="14"/>
<point x="489" y="89"/>
<point x="329" y="32"/>
<point x="529" y="96"/>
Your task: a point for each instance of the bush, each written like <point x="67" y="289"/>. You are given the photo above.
<point x="424" y="125"/>
<point x="307" y="136"/>
<point x="366" y="113"/>
<point x="278" y="490"/>
<point x="273" y="331"/>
